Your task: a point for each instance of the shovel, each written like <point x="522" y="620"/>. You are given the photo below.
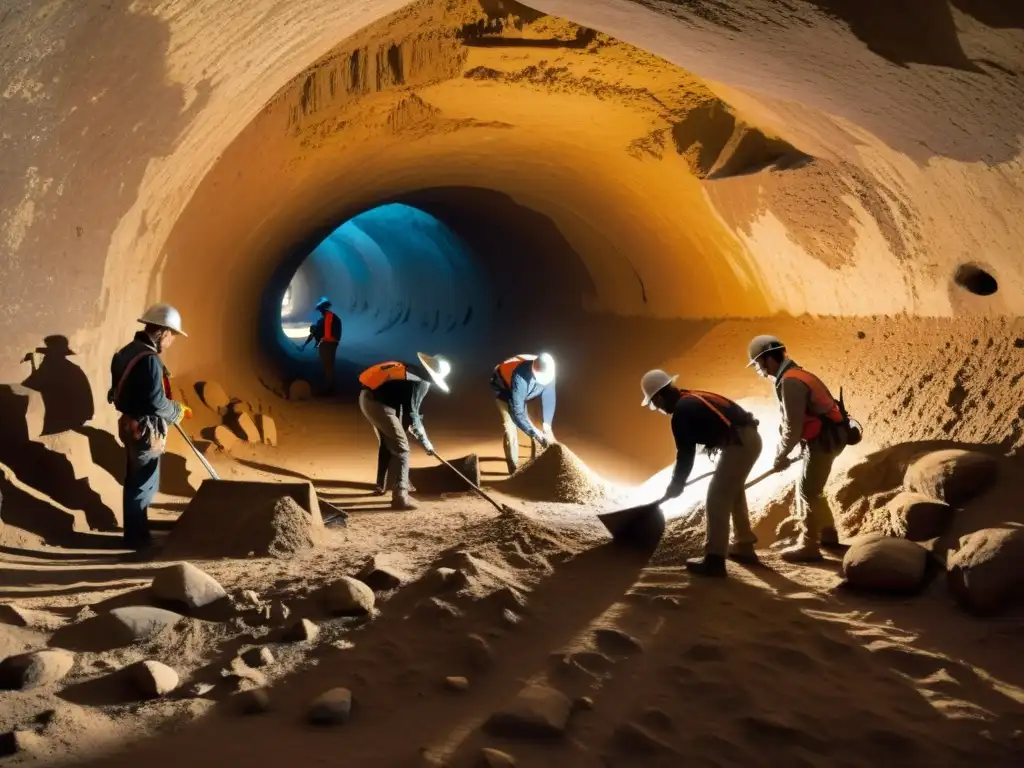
<point x="503" y="508"/>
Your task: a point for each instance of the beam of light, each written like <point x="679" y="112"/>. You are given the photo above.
<point x="296" y="330"/>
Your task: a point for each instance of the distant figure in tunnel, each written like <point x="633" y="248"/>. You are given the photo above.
<point x="816" y="420"/>
<point x="515" y="382"/>
<point x="67" y="396"/>
<point x="140" y="390"/>
<point x="390" y="400"/>
<point x="326" y="335"/>
<point x="723" y="428"/>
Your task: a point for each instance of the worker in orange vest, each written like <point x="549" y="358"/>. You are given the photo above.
<point x="390" y="400"/>
<point x="812" y="417"/>
<point x="515" y="382"/>
<point x="326" y="335"/>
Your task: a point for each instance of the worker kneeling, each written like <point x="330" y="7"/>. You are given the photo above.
<point x="515" y="382"/>
<point x="390" y="400"/>
<point x="723" y="428"/>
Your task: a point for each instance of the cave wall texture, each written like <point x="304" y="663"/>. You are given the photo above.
<point x="703" y="159"/>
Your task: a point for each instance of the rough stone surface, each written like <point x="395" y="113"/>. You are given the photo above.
<point x="332" y="707"/>
<point x="987" y="571"/>
<point x="537" y="712"/>
<point x="952" y="476"/>
<point x="917" y="517"/>
<point x="153" y="679"/>
<point x="495" y="758"/>
<point x="32" y="670"/>
<point x="268" y="429"/>
<point x="258" y="657"/>
<point x="379" y="575"/>
<point x="299" y="390"/>
<point x="349" y="597"/>
<point x="616" y="641"/>
<point x="184" y="584"/>
<point x="253" y="702"/>
<point x="456" y="684"/>
<point x="481" y="655"/>
<point x="245" y="425"/>
<point x="225" y="439"/>
<point x="213" y="396"/>
<point x="302" y="631"/>
<point x="636" y="740"/>
<point x="885" y="564"/>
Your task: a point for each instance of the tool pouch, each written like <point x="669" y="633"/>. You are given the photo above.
<point x="142" y="435"/>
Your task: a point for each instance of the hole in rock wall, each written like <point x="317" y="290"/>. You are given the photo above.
<point x="978" y="281"/>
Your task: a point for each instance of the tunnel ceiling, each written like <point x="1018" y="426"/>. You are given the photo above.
<point x="807" y="159"/>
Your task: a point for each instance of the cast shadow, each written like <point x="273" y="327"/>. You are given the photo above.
<point x="64" y="387"/>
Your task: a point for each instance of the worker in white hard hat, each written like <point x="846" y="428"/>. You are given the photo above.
<point x="812" y="417"/>
<point x="326" y="336"/>
<point x="390" y="400"/>
<point x="141" y="391"/>
<point x="515" y="382"/>
<point x="724" y="429"/>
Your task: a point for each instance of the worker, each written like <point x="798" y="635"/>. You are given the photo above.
<point x="325" y="335"/>
<point x="390" y="400"/>
<point x="724" y="429"/>
<point x="140" y="390"/>
<point x="816" y="420"/>
<point x="515" y="382"/>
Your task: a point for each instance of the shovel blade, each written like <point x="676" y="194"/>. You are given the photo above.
<point x="637" y="526"/>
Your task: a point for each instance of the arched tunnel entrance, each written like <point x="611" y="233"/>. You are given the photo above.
<point x="625" y="185"/>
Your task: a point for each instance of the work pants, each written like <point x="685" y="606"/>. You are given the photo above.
<point x="387" y="424"/>
<point x="141" y="482"/>
<point x="812" y="508"/>
<point x="328" y="350"/>
<point x="727" y="498"/>
<point x="511" y="437"/>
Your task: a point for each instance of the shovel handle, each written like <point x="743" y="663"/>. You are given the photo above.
<point x="195" y="450"/>
<point x="471" y="484"/>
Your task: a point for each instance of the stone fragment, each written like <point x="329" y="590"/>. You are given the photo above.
<point x="302" y="631"/>
<point x="153" y="679"/>
<point x="349" y="597"/>
<point x="185" y="585"/>
<point x="33" y="670"/>
<point x="537" y="712"/>
<point x="332" y="707"/>
<point x="258" y="657"/>
<point x="458" y="684"/>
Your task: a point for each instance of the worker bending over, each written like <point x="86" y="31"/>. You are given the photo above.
<point x="140" y="390"/>
<point x="813" y="418"/>
<point x="326" y="335"/>
<point x="723" y="428"/>
<point x="390" y="400"/>
<point x="515" y="382"/>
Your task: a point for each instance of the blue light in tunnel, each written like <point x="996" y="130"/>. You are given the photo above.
<point x="400" y="280"/>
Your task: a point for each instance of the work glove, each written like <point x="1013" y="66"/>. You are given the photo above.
<point x="186" y="412"/>
<point x="781" y="463"/>
<point x="673" y="490"/>
<point x="429" y="449"/>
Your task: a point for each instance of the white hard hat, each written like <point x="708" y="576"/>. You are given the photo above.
<point x="544" y="368"/>
<point x="438" y="367"/>
<point x="652" y="383"/>
<point x="164" y="316"/>
<point x="324" y="302"/>
<point x="761" y="345"/>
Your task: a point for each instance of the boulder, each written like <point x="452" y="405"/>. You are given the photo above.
<point x="247" y="428"/>
<point x="258" y="657"/>
<point x="213" y="396"/>
<point x="495" y="758"/>
<point x="153" y="679"/>
<point x="987" y="571"/>
<point x="302" y="631"/>
<point x="32" y="670"/>
<point x="268" y="428"/>
<point x="537" y="712"/>
<point x="952" y="476"/>
<point x="184" y="584"/>
<point x="917" y="517"/>
<point x="225" y="439"/>
<point x="379" y="576"/>
<point x="885" y="564"/>
<point x="349" y="597"/>
<point x="299" y="390"/>
<point x="332" y="707"/>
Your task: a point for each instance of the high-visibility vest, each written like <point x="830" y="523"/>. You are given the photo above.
<point x="507" y="368"/>
<point x="377" y="375"/>
<point x="329" y="327"/>
<point x="822" y="406"/>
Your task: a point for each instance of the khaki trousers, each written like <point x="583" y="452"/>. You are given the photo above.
<point x="388" y="426"/>
<point x="812" y="508"/>
<point x="511" y="438"/>
<point x="727" y="498"/>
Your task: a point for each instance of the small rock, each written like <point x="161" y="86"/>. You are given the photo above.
<point x="349" y="597"/>
<point x="200" y="689"/>
<point x="332" y="707"/>
<point x="637" y="740"/>
<point x="616" y="641"/>
<point x="861" y="335"/>
<point x="258" y="657"/>
<point x="495" y="758"/>
<point x="509" y="618"/>
<point x="253" y="702"/>
<point x="184" y="584"/>
<point x="509" y="598"/>
<point x="583" y="704"/>
<point x="213" y="396"/>
<point x="243" y="678"/>
<point x="666" y="601"/>
<point x="299" y="390"/>
<point x="225" y="439"/>
<point x="19" y="742"/>
<point x="32" y="670"/>
<point x="538" y="711"/>
<point x="245" y="425"/>
<point x="250" y="598"/>
<point x="302" y="631"/>
<point x="884" y="563"/>
<point x="16" y="616"/>
<point x="378" y="576"/>
<point x="435" y="608"/>
<point x="987" y="571"/>
<point x="952" y="476"/>
<point x="268" y="429"/>
<point x="450" y="578"/>
<point x="138" y="622"/>
<point x="917" y="517"/>
<point x="481" y="655"/>
<point x="153" y="679"/>
<point x="459" y="684"/>
<point x="279" y="612"/>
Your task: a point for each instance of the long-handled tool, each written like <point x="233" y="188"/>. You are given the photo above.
<point x="210" y="469"/>
<point x="503" y="508"/>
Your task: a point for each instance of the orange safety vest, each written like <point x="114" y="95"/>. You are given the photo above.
<point x="328" y="324"/>
<point x="821" y="401"/>
<point x="377" y="375"/>
<point x="507" y="368"/>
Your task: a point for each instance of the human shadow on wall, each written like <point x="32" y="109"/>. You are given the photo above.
<point x="65" y="389"/>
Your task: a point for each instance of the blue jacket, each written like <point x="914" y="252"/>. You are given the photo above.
<point x="525" y="387"/>
<point x="142" y="396"/>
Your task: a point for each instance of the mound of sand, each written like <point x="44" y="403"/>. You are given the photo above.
<point x="556" y="475"/>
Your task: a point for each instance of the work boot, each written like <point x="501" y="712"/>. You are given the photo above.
<point x="709" y="565"/>
<point x="401" y="502"/>
<point x="743" y="552"/>
<point x="829" y="537"/>
<point x="378" y="490"/>
<point x="804" y="551"/>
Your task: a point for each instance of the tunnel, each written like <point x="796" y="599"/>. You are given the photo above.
<point x="624" y="185"/>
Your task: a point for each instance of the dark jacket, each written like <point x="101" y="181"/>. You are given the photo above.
<point x="406" y="397"/>
<point x="694" y="423"/>
<point x="142" y="395"/>
<point x="525" y="387"/>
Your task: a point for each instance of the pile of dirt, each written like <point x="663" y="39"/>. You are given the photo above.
<point x="556" y="475"/>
